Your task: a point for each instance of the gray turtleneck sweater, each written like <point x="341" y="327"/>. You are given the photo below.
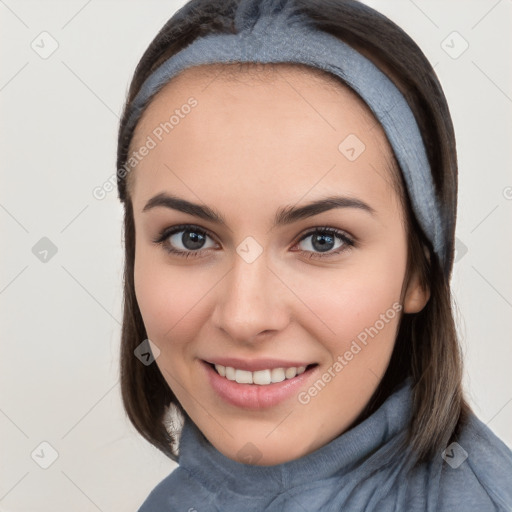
<point x="358" y="471"/>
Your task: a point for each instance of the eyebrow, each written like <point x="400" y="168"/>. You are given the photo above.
<point x="284" y="216"/>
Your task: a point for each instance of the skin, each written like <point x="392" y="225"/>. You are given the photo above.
<point x="251" y="146"/>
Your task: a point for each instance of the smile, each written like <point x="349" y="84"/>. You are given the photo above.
<point x="259" y="387"/>
<point x="260" y="377"/>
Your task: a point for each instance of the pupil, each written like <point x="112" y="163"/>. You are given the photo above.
<point x="319" y="242"/>
<point x="192" y="240"/>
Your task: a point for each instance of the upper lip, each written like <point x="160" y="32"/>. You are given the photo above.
<point x="254" y="365"/>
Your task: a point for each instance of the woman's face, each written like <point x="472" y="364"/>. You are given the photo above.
<point x="261" y="292"/>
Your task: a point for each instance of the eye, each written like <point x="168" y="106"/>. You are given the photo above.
<point x="323" y="239"/>
<point x="187" y="241"/>
<point x="190" y="238"/>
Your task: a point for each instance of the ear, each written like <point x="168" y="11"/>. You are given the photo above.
<point x="416" y="297"/>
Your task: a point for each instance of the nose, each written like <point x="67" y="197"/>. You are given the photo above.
<point x="252" y="302"/>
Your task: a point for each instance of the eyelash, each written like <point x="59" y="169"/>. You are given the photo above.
<point x="167" y="232"/>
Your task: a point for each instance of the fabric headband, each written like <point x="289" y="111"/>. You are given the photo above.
<point x="266" y="33"/>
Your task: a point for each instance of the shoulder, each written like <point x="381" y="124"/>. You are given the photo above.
<point x="175" y="490"/>
<point x="476" y="473"/>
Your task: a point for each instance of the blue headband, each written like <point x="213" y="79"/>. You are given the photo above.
<point x="268" y="32"/>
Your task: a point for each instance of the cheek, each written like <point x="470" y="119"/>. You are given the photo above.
<point x="169" y="300"/>
<point x="349" y="302"/>
<point x="349" y="309"/>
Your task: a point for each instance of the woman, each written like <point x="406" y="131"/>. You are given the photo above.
<point x="288" y="172"/>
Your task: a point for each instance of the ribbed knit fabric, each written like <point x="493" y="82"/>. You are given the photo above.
<point x="360" y="470"/>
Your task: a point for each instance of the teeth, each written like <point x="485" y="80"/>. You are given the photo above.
<point x="290" y="372"/>
<point x="243" y="377"/>
<point x="260" y="377"/>
<point x="278" y="374"/>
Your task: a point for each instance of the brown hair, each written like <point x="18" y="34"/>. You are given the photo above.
<point x="427" y="347"/>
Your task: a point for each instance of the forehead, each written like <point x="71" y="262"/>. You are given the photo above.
<point x="284" y="79"/>
<point x="279" y="124"/>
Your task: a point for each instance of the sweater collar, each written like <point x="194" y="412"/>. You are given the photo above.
<point x="369" y="443"/>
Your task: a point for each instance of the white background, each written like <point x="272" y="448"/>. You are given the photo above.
<point x="59" y="376"/>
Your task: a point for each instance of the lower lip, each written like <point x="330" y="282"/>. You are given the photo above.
<point x="255" y="396"/>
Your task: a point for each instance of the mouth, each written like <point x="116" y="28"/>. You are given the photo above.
<point x="263" y="377"/>
<point x="260" y="389"/>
